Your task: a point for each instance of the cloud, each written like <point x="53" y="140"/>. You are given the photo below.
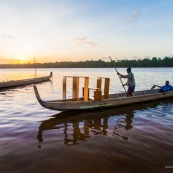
<point x="135" y="15"/>
<point x="81" y="39"/>
<point x="7" y="37"/>
<point x="84" y="41"/>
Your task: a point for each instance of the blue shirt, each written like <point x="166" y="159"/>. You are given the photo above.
<point x="167" y="88"/>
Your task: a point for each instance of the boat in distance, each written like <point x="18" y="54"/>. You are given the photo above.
<point x="100" y="100"/>
<point x="17" y="83"/>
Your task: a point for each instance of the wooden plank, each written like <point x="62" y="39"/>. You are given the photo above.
<point x="94" y="88"/>
<point x="64" y="88"/>
<point x="75" y="88"/>
<point x="86" y="91"/>
<point x="97" y="95"/>
<point x="99" y="83"/>
<point x="106" y="88"/>
<point x="74" y="76"/>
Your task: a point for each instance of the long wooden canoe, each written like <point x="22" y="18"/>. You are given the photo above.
<point x="113" y="100"/>
<point x="16" y="83"/>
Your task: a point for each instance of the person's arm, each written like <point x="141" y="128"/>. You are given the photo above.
<point x="118" y="74"/>
<point x="155" y="86"/>
<point x="122" y="76"/>
<point x="125" y="76"/>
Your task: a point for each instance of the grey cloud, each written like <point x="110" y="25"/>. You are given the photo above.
<point x="81" y="39"/>
<point x="84" y="41"/>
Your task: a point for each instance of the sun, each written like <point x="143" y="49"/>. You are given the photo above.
<point x="22" y="60"/>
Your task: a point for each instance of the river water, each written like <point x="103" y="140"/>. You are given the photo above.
<point x="130" y="139"/>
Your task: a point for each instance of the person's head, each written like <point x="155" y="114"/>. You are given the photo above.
<point x="167" y="83"/>
<point x="128" y="70"/>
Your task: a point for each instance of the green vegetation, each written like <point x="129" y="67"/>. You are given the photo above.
<point x="154" y="62"/>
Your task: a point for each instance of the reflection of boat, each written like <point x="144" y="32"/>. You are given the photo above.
<point x="16" y="83"/>
<point x="99" y="101"/>
<point x="81" y="125"/>
<point x="77" y="127"/>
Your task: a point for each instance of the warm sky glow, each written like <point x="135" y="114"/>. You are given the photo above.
<point x="74" y="30"/>
<point x="22" y="60"/>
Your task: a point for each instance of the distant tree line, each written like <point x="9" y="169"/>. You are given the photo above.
<point x="146" y="62"/>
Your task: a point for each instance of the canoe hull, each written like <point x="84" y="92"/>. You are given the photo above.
<point x="17" y="83"/>
<point x="61" y="105"/>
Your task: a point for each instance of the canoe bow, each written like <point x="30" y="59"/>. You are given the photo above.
<point x="42" y="103"/>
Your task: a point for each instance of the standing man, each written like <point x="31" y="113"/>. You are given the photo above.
<point x="130" y="81"/>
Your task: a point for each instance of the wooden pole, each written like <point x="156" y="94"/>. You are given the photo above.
<point x="64" y="87"/>
<point x="75" y="89"/>
<point x="106" y="88"/>
<point x="35" y="68"/>
<point x="118" y="75"/>
<point x="86" y="92"/>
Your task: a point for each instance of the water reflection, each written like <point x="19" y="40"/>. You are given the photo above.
<point x="128" y="120"/>
<point x="125" y="123"/>
<point x="80" y="126"/>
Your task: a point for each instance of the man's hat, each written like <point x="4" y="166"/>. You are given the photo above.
<point x="129" y="68"/>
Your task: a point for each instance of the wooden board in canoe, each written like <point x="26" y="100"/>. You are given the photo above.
<point x="16" y="83"/>
<point x="113" y="100"/>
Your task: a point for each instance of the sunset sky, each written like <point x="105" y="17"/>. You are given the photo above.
<point x="79" y="30"/>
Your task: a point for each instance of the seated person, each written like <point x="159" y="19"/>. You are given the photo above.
<point x="164" y="88"/>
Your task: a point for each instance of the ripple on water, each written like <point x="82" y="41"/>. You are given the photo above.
<point x="134" y="138"/>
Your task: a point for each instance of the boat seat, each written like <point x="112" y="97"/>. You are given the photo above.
<point x="97" y="94"/>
